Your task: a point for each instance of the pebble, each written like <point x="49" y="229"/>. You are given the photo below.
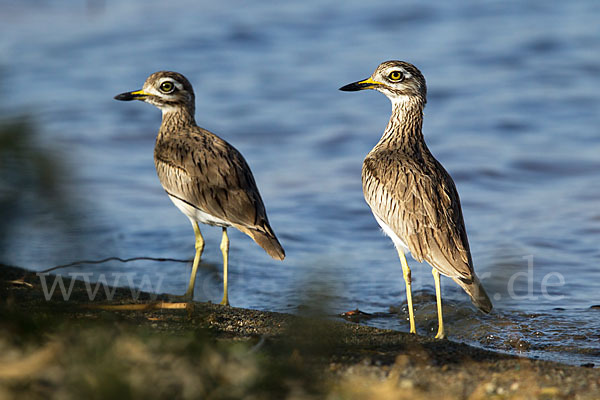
<point x="490" y="388"/>
<point x="406" y="384"/>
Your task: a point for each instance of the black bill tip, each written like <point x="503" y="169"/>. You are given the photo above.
<point x="136" y="95"/>
<point x="353" y="87"/>
<point x="125" y="96"/>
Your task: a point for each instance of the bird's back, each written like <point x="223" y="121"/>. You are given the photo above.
<point x="205" y="172"/>
<point x="416" y="198"/>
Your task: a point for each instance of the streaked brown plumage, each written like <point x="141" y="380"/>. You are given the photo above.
<point x="410" y="193"/>
<point x="206" y="177"/>
<point x="201" y="169"/>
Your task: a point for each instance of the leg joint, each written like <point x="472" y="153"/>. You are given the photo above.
<point x="225" y="241"/>
<point x="224" y="245"/>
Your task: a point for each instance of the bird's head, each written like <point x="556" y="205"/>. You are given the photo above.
<point x="169" y="91"/>
<point x="398" y="80"/>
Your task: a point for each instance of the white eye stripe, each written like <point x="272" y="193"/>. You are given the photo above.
<point x="151" y="90"/>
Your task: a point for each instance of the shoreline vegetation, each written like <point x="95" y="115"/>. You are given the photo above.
<point x="71" y="349"/>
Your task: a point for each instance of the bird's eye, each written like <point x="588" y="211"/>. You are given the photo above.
<point x="396" y="76"/>
<point x="167" y="86"/>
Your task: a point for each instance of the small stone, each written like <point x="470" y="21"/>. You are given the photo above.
<point x="490" y="388"/>
<point x="406" y="384"/>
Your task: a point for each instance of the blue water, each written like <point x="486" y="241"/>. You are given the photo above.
<point x="513" y="113"/>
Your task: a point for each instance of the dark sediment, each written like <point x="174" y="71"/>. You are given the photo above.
<point x="65" y="349"/>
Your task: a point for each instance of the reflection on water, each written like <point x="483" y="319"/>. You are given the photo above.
<point x="512" y="114"/>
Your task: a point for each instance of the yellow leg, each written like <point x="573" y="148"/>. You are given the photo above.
<point x="225" y="251"/>
<point x="438" y="295"/>
<point x="407" y="280"/>
<point x="189" y="294"/>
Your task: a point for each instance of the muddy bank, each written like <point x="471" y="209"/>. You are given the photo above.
<point x="65" y="349"/>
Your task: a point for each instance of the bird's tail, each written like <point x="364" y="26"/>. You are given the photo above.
<point x="267" y="240"/>
<point x="475" y="289"/>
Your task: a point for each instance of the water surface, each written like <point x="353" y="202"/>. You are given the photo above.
<point x="512" y="114"/>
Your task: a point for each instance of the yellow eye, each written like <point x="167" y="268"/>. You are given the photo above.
<point x="396" y="76"/>
<point x="167" y="86"/>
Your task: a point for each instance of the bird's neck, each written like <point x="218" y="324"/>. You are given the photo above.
<point x="405" y="127"/>
<point x="175" y="119"/>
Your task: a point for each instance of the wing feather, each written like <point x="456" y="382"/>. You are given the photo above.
<point x="419" y="202"/>
<point x="212" y="176"/>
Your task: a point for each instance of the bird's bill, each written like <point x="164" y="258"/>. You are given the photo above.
<point x="128" y="96"/>
<point x="368" y="83"/>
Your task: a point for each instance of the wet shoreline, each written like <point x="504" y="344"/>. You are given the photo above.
<point x="280" y="355"/>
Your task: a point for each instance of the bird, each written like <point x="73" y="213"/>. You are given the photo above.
<point x="206" y="178"/>
<point x="412" y="197"/>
